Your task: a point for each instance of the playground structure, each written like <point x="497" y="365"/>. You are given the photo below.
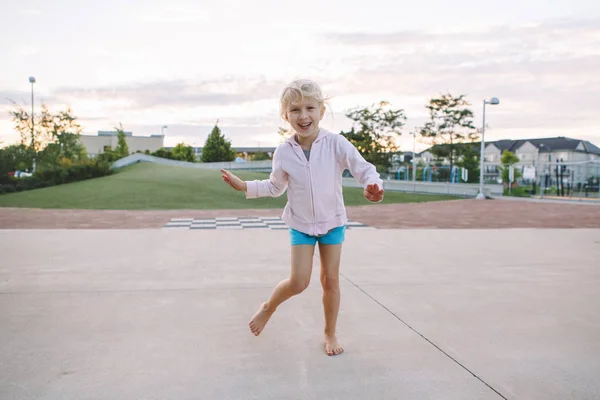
<point x="434" y="174"/>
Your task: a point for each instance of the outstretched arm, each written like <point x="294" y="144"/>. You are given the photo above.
<point x="363" y="171"/>
<point x="273" y="187"/>
<point x="233" y="181"/>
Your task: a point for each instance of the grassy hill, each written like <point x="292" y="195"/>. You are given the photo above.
<point x="147" y="186"/>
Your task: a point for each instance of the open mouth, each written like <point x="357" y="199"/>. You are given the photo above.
<point x="304" y="126"/>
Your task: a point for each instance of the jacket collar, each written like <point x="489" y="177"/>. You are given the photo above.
<point x="292" y="139"/>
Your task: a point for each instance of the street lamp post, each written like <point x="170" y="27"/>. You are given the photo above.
<point x="162" y="130"/>
<point x="32" y="81"/>
<point x="493" y="101"/>
<point x="414" y="161"/>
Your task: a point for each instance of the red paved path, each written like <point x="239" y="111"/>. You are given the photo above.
<point x="444" y="214"/>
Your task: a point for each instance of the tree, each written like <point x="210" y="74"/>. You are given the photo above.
<point x="451" y="122"/>
<point x="470" y="160"/>
<point x="217" y="148"/>
<point x="56" y="134"/>
<point x="122" y="149"/>
<point x="35" y="140"/>
<point x="183" y="152"/>
<point x="12" y="158"/>
<point x="508" y="158"/>
<point x="63" y="130"/>
<point x="283" y="133"/>
<point x="374" y="132"/>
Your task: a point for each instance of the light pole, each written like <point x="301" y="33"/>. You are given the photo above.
<point x="32" y="81"/>
<point x="162" y="130"/>
<point x="414" y="155"/>
<point x="493" y="101"/>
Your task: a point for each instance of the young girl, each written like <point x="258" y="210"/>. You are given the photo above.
<point x="309" y="164"/>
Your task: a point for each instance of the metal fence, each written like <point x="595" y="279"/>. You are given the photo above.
<point x="572" y="179"/>
<point x="435" y="173"/>
<point x="562" y="179"/>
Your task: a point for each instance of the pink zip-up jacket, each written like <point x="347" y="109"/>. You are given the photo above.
<point x="315" y="201"/>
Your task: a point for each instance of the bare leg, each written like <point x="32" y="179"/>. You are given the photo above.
<point x="330" y="280"/>
<point x="302" y="259"/>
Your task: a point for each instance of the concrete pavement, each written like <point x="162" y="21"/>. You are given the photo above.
<point x="425" y="314"/>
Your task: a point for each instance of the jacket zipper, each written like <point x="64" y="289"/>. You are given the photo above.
<point x="312" y="198"/>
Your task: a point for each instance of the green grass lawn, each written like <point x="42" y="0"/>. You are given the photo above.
<point x="147" y="186"/>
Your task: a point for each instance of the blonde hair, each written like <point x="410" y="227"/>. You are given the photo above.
<point x="295" y="93"/>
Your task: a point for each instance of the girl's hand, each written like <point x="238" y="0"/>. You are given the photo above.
<point x="233" y="181"/>
<point x="373" y="193"/>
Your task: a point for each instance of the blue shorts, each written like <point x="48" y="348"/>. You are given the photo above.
<point x="334" y="236"/>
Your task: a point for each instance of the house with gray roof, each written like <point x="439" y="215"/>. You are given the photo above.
<point x="579" y="159"/>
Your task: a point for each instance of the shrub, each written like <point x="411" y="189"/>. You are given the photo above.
<point x="64" y="172"/>
<point x="163" y="153"/>
<point x="67" y="172"/>
<point x="518" y="191"/>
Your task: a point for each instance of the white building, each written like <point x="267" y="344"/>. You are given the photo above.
<point x="97" y="144"/>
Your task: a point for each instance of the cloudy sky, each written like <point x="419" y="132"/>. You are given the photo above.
<point x="186" y="64"/>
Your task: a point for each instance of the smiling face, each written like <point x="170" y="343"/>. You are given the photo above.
<point x="303" y="106"/>
<point x="304" y="116"/>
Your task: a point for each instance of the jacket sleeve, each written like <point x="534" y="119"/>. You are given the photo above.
<point x="363" y="171"/>
<point x="275" y="186"/>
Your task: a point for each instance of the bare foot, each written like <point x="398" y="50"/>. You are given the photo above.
<point x="260" y="319"/>
<point x="331" y="346"/>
